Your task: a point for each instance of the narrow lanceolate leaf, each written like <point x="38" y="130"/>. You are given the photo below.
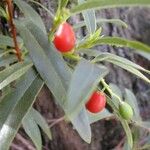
<point x="84" y="80"/>
<point x="32" y="130"/>
<point x="126" y="146"/>
<point x="54" y="56"/>
<point x="30" y="13"/>
<point x="13" y="122"/>
<point x="132" y="70"/>
<point x="123" y="63"/>
<point x="115" y="89"/>
<point x="14" y="72"/>
<point x="121" y="42"/>
<point x="89" y="19"/>
<point x="7" y="60"/>
<point x="3" y="13"/>
<point x="114" y="58"/>
<point x="144" y="54"/>
<point x="99" y="116"/>
<point x="5" y="52"/>
<point x="89" y="75"/>
<point x="63" y="3"/>
<point x="44" y="8"/>
<point x="119" y="61"/>
<point x="7" y="41"/>
<point x="8" y="103"/>
<point x="103" y="4"/>
<point x="64" y="75"/>
<point x="117" y="22"/>
<point x="41" y="122"/>
<point x="82" y="125"/>
<point x="131" y="99"/>
<point x="127" y="131"/>
<point x="44" y="65"/>
<point x="102" y="56"/>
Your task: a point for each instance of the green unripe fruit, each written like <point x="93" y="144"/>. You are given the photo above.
<point x="125" y="111"/>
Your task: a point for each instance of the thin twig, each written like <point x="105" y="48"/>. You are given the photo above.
<point x="25" y="142"/>
<point x="13" y="29"/>
<point x="57" y="121"/>
<point x="16" y="147"/>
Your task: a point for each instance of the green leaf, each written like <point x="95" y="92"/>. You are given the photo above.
<point x="62" y="3"/>
<point x="126" y="146"/>
<point x="123" y="63"/>
<point x="13" y="72"/>
<point x="60" y="67"/>
<point x="114" y="58"/>
<point x="131" y="69"/>
<point x="78" y="93"/>
<point x="7" y="41"/>
<point x="42" y="6"/>
<point x="5" y="52"/>
<point x="121" y="42"/>
<point x="117" y="22"/>
<point x="119" y="61"/>
<point x="89" y="19"/>
<point x="103" y="21"/>
<point x="30" y="13"/>
<point x="103" y="4"/>
<point x="84" y="80"/>
<point x="144" y="54"/>
<point x="7" y="60"/>
<point x="32" y="129"/>
<point x="13" y="122"/>
<point x="3" y="13"/>
<point x="44" y="65"/>
<point x="38" y="118"/>
<point x="54" y="56"/>
<point x="113" y="105"/>
<point x="127" y="131"/>
<point x="131" y="99"/>
<point x="82" y="125"/>
<point x="8" y="103"/>
<point x="115" y="89"/>
<point x="99" y="116"/>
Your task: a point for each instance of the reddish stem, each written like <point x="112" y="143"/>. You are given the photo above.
<point x="13" y="29"/>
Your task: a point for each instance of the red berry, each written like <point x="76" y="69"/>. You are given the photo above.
<point x="96" y="102"/>
<point x="64" y="39"/>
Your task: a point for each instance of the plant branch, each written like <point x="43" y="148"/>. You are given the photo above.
<point x="57" y="121"/>
<point x="110" y="91"/>
<point x="13" y="29"/>
<point x="16" y="147"/>
<point x="24" y="141"/>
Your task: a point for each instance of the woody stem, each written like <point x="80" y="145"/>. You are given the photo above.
<point x="13" y="29"/>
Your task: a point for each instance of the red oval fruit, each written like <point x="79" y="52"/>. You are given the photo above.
<point x="64" y="39"/>
<point x="96" y="102"/>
